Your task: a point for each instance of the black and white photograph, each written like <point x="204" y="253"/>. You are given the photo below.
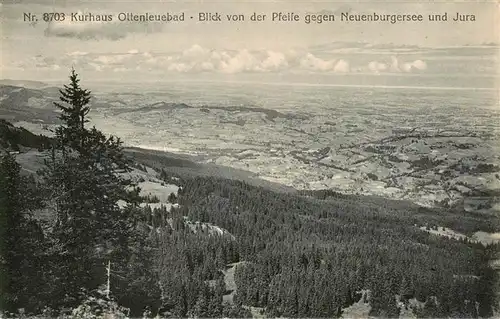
<point x="249" y="159"/>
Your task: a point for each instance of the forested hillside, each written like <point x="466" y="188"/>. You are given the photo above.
<point x="14" y="138"/>
<point x="296" y="254"/>
<point x="309" y="258"/>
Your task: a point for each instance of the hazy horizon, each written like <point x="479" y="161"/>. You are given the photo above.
<point x="243" y="51"/>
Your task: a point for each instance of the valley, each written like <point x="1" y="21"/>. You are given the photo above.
<point x="438" y="153"/>
<point x="419" y="196"/>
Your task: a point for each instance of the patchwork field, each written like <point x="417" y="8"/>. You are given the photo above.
<point x="432" y="146"/>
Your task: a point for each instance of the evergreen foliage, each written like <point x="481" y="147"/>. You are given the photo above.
<point x="83" y="183"/>
<point x="14" y="138"/>
<point x="310" y="254"/>
<point x="21" y="239"/>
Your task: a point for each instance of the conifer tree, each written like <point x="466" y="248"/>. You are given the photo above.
<point x="201" y="307"/>
<point x="11" y="221"/>
<point x="136" y="281"/>
<point x="84" y="182"/>
<point x="20" y="239"/>
<point x="74" y="112"/>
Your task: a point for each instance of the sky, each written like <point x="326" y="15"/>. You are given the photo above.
<point x="137" y="51"/>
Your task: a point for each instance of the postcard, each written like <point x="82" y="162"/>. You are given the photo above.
<point x="249" y="159"/>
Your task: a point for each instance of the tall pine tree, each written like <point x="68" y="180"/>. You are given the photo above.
<point x="74" y="109"/>
<point x="85" y="180"/>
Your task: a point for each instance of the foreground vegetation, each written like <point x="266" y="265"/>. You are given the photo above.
<point x="305" y="255"/>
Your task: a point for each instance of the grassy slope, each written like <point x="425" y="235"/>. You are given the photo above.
<point x="185" y="165"/>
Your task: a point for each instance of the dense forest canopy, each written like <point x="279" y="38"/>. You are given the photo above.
<point x="308" y="254"/>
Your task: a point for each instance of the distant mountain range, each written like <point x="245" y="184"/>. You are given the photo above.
<point x="24" y="83"/>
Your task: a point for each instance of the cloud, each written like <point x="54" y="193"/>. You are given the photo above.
<point x="396" y="66"/>
<point x="196" y="51"/>
<point x="179" y="67"/>
<point x="197" y="59"/>
<point x="39" y="62"/>
<point x="341" y="66"/>
<point x="417" y="64"/>
<point x="377" y="67"/>
<point x="77" y="53"/>
<point x="96" y="66"/>
<point x="116" y="59"/>
<point x="311" y="62"/>
<point x="275" y="61"/>
<point x="98" y="28"/>
<point x="240" y="62"/>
